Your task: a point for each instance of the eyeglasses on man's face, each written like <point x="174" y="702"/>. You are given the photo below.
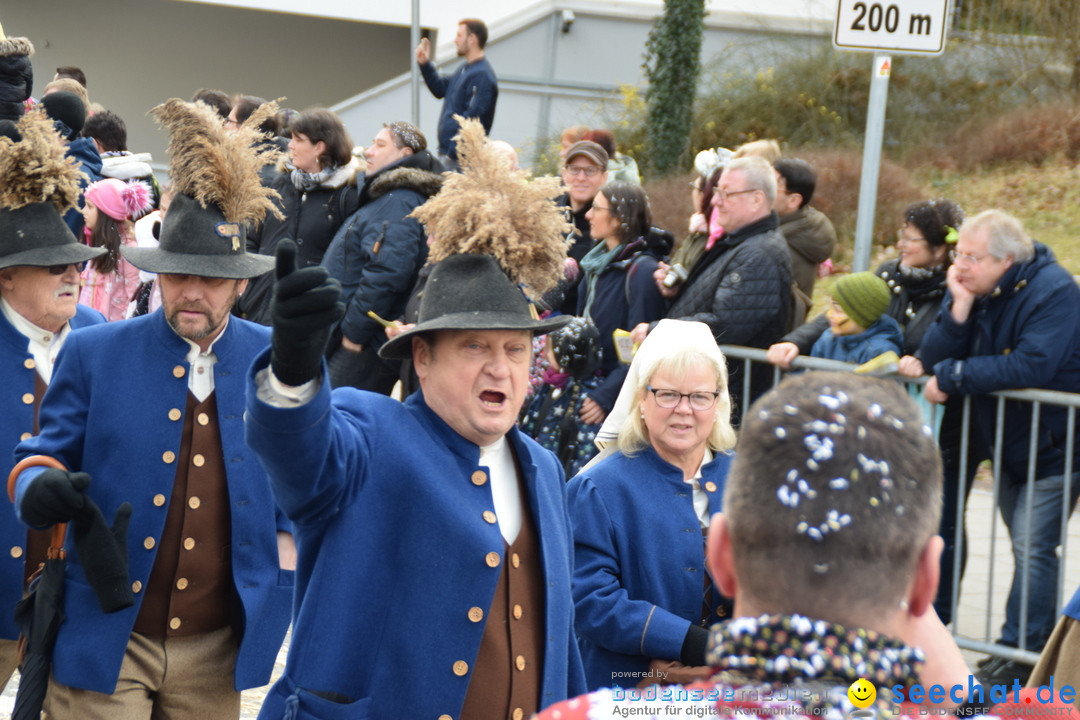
<point x="964" y="258"/>
<point x="723" y="195"/>
<point x="61" y="269"/>
<point x="586" y="170"/>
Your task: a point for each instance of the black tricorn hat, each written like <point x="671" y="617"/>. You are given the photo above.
<point x="197" y="240"/>
<point x="470" y="292"/>
<point x="37" y="235"/>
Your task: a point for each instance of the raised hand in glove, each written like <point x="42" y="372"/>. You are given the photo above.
<point x="54" y="496"/>
<point x="305" y="305"/>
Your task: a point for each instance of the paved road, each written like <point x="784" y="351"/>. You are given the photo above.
<point x="983" y="592"/>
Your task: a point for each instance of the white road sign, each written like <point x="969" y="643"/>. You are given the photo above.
<point x="900" y="26"/>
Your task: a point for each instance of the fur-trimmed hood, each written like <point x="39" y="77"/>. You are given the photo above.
<point x="424" y="182"/>
<point x="345" y="175"/>
<point x="16" y="46"/>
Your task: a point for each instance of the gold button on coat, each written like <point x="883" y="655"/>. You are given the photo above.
<point x="203" y="419"/>
<point x="710" y="486"/>
<point x="159" y="499"/>
<point x="26" y="436"/>
<point x="168" y="456"/>
<point x="492" y="559"/>
<point x="179" y="371"/>
<point x="28" y="399"/>
<point x="461" y="668"/>
<point x="174" y="623"/>
<point x="476" y="614"/>
<point x="519" y="662"/>
<point x="518" y="714"/>
<point x="189" y="543"/>
<point x="489" y="517"/>
<point x="29" y="363"/>
<point x="445" y="717"/>
<point x="518" y="612"/>
<point x="198" y="460"/>
<point x="136" y="587"/>
<point x="181" y="584"/>
<point x="194" y="502"/>
<point x="174" y="414"/>
<point x="515" y="560"/>
<point x="478" y="478"/>
<point x="149" y="543"/>
<point x="16" y="552"/>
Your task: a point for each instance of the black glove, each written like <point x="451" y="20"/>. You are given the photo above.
<point x="305" y="306"/>
<point x="54" y="496"/>
<point x="694" y="646"/>
<point x="103" y="554"/>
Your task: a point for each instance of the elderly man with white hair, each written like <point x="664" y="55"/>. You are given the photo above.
<point x="1011" y="319"/>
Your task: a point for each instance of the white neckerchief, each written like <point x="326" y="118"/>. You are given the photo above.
<point x="701" y="498"/>
<point x="42" y="345"/>
<point x="505" y="495"/>
<point x="201" y="372"/>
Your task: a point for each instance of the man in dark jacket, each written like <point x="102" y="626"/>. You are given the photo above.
<point x="378" y="252"/>
<point x="471" y="91"/>
<point x="809" y="234"/>
<point x="1011" y="319"/>
<point x="741" y="287"/>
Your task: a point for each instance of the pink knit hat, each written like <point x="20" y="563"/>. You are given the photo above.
<point x="120" y="200"/>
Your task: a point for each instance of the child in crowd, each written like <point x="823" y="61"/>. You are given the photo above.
<point x="573" y="355"/>
<point x="109" y="281"/>
<point x="859" y="330"/>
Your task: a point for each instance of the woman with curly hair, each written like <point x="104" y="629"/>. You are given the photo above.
<point x="109" y="281"/>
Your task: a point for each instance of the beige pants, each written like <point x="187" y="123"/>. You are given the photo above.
<point x="9" y="660"/>
<point x="1060" y="658"/>
<point x="177" y="678"/>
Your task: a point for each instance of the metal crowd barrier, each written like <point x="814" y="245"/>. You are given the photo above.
<point x="1036" y="398"/>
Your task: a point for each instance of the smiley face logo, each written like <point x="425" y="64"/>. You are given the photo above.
<point x="862" y="693"/>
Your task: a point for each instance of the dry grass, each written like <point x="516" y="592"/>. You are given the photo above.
<point x="1031" y="135"/>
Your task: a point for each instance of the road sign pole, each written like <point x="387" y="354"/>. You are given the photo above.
<point x="868" y="183"/>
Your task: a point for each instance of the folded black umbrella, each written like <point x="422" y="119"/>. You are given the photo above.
<point x="103" y="552"/>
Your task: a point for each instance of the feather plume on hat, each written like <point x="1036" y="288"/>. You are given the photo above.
<point x="216" y="166"/>
<point x="34" y="170"/>
<point x="490" y="209"/>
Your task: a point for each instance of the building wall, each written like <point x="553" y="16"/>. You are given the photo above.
<point x="138" y="53"/>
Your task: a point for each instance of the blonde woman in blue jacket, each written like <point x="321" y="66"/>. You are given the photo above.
<point x="642" y="596"/>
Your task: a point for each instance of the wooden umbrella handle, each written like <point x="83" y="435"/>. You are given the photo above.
<point x="56" y="543"/>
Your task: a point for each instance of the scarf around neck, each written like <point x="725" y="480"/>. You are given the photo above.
<point x="305" y="181"/>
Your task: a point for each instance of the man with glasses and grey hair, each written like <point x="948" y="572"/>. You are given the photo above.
<point x="741" y="286"/>
<point x="378" y="252"/>
<point x="40" y="262"/>
<point x="1011" y="319"/>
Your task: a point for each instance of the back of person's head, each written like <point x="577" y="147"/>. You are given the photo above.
<point x="603" y="138"/>
<point x="67" y="84"/>
<point x="244" y="105"/>
<point x="405" y="134"/>
<point x="217" y="99"/>
<point x="573" y="134"/>
<point x="322" y="124"/>
<point x="576" y="347"/>
<point x="70" y="71"/>
<point x="108" y="129"/>
<point x="477" y="28"/>
<point x="285" y="121"/>
<point x="758" y="174"/>
<point x="833" y="495"/>
<point x="798" y="176"/>
<point x="863" y="296"/>
<point x="67" y="111"/>
<point x="1006" y="235"/>
<point x="630" y="206"/>
<point x="768" y="149"/>
<point x="935" y="219"/>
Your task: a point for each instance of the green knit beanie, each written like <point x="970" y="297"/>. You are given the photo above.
<point x="863" y="296"/>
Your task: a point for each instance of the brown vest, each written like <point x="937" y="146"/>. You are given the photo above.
<point x="37" y="541"/>
<point x="190" y="585"/>
<point x="509" y="668"/>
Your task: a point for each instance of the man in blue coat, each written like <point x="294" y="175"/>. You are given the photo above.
<point x="470" y="91"/>
<point x="149" y="412"/>
<point x="434" y="543"/>
<point x="39" y="291"/>
<point x="1011" y="319"/>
